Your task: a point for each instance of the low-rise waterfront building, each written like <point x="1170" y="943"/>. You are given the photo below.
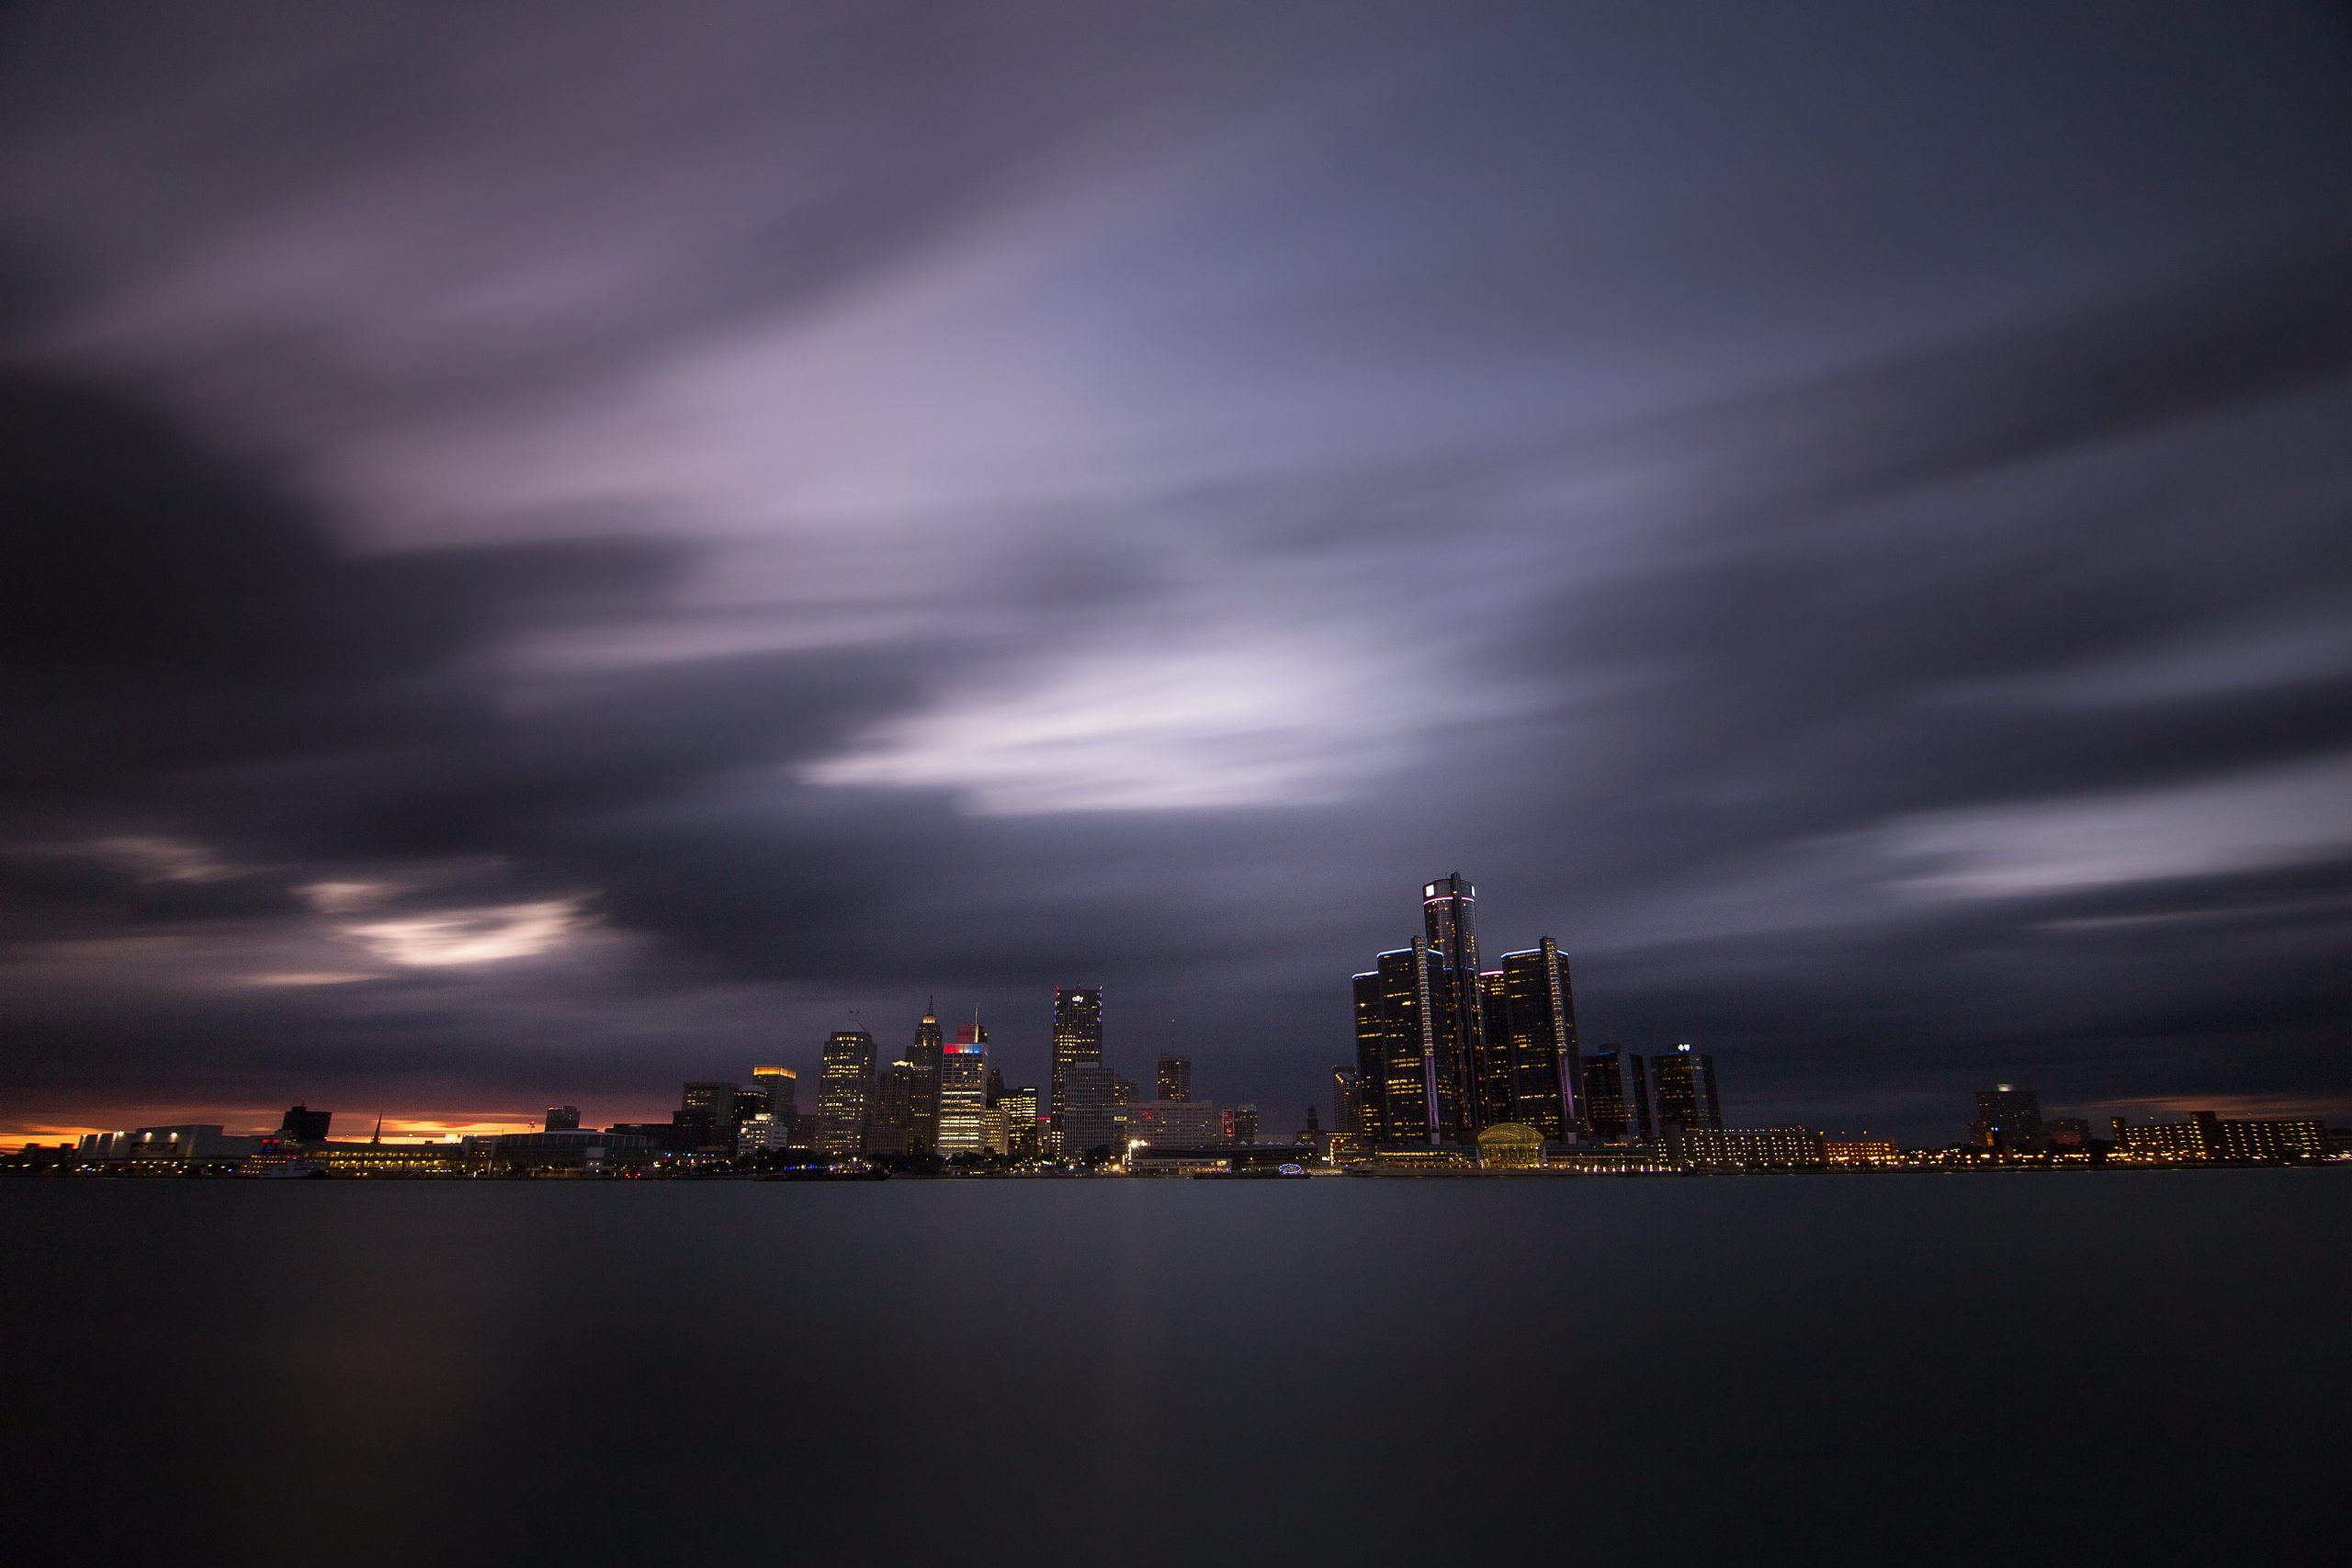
<point x="1747" y="1149"/>
<point x="190" y="1143"/>
<point x="2206" y="1137"/>
<point x="1863" y="1151"/>
<point x="1510" y="1145"/>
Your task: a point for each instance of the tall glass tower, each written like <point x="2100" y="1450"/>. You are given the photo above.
<point x="1482" y="1086"/>
<point x="1449" y="919"/>
<point x="1545" y="1073"/>
<point x="1077" y="1039"/>
<point x="1683" y="1081"/>
<point x="1406" y="1068"/>
<point x="923" y="1057"/>
<point x="844" y="1090"/>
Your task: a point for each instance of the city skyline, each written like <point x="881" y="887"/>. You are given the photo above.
<point x="1632" y="1095"/>
<point x="729" y="518"/>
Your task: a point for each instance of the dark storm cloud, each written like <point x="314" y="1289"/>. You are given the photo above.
<point x="765" y="511"/>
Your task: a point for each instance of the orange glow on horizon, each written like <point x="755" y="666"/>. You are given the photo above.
<point x="2229" y="1108"/>
<point x="248" y="1121"/>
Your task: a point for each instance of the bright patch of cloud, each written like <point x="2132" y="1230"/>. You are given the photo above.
<point x="471" y="936"/>
<point x="342" y="898"/>
<point x="156" y="858"/>
<point x="2248" y="822"/>
<point x="1245" y="726"/>
<point x="307" y="977"/>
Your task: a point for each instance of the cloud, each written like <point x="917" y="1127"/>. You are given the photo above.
<point x="471" y="936"/>
<point x="738" y="517"/>
<point x="2280" y="819"/>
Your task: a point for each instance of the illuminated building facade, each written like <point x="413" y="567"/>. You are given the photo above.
<point x="1510" y="1145"/>
<point x="1545" y="1071"/>
<point x="2160" y="1140"/>
<point x="780" y="1088"/>
<point x="1173" y="1080"/>
<point x="1020" y="1107"/>
<point x="2206" y="1136"/>
<point x="1443" y="1050"/>
<point x="1243" y="1120"/>
<point x="379" y="1159"/>
<point x="762" y="1132"/>
<point x="1492" y="1093"/>
<point x="1748" y="1148"/>
<point x="1861" y="1152"/>
<point x="963" y="1098"/>
<point x="2269" y="1140"/>
<point x="844" y="1091"/>
<point x="1683" y="1082"/>
<point x="1407" y="1068"/>
<point x="1449" y="927"/>
<point x="1077" y="1041"/>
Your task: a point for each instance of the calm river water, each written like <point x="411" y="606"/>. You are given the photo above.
<point x="1893" y="1369"/>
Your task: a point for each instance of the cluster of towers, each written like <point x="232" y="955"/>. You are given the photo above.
<point x="1446" y="1049"/>
<point x="940" y="1098"/>
<point x="944" y="1099"/>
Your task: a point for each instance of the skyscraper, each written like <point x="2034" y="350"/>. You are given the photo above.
<point x="844" y="1089"/>
<point x="1347" y="1101"/>
<point x="962" y="1095"/>
<point x="1541" y="1025"/>
<point x="1085" y="1113"/>
<point x="1077" y="1039"/>
<point x="782" y="1086"/>
<point x="1493" y="1099"/>
<point x="1449" y="920"/>
<point x="1407" y="1068"/>
<point x="778" y="1088"/>
<point x="1020" y="1107"/>
<point x="2009" y="1119"/>
<point x="706" y="1115"/>
<point x="1637" y="1100"/>
<point x="1173" y="1079"/>
<point x="1606" y="1116"/>
<point x="923" y="1057"/>
<point x="562" y="1119"/>
<point x="1684" y="1082"/>
<point x="890" y="1122"/>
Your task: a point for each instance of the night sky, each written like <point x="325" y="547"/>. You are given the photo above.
<point x="549" y="549"/>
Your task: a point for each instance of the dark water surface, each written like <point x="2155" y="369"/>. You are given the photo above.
<point x="1892" y="1368"/>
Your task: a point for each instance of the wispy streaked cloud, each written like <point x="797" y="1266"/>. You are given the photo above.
<point x="737" y="515"/>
